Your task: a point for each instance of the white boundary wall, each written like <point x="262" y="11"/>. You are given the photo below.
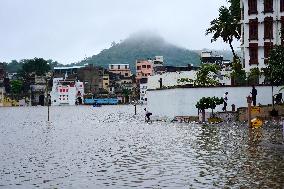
<point x="181" y="102"/>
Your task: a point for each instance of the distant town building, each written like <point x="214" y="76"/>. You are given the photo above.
<point x="2" y="73"/>
<point x="262" y="22"/>
<point x="67" y="92"/>
<point x="144" y="68"/>
<point x="158" y="61"/>
<point x="92" y="77"/>
<point x="207" y="57"/>
<point x="163" y="69"/>
<point x="122" y="69"/>
<point x="106" y="82"/>
<point x="70" y="72"/>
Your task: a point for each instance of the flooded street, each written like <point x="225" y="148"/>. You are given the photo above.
<point x="108" y="147"/>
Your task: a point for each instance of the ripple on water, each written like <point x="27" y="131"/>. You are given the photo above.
<point x="108" y="147"/>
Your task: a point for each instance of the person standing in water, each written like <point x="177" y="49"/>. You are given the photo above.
<point x="225" y="101"/>
<point x="253" y="95"/>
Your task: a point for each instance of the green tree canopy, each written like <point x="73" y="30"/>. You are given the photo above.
<point x="16" y="86"/>
<point x="238" y="75"/>
<point x="39" y="66"/>
<point x="209" y="102"/>
<point x="227" y="26"/>
<point x="274" y="72"/>
<point x="206" y="75"/>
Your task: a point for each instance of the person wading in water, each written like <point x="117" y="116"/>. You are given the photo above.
<point x="147" y="115"/>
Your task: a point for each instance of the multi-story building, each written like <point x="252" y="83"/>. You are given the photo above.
<point x="122" y="69"/>
<point x="92" y="76"/>
<point x="207" y="57"/>
<point x="67" y="92"/>
<point x="70" y="72"/>
<point x="2" y="72"/>
<point x="106" y="82"/>
<point x="144" y="68"/>
<point x="262" y="22"/>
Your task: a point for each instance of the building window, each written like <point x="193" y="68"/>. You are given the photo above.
<point x="138" y="67"/>
<point x="125" y="66"/>
<point x="252" y="7"/>
<point x="281" y="5"/>
<point x="253" y="53"/>
<point x="268" y="28"/>
<point x="253" y="29"/>
<point x="111" y="66"/>
<point x="268" y="6"/>
<point x="143" y="66"/>
<point x="267" y="48"/>
<point x="148" y="66"/>
<point x="118" y="67"/>
<point x="126" y="74"/>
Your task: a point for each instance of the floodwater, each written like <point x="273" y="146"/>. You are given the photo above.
<point x="108" y="147"/>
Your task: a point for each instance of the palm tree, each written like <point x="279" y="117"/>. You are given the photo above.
<point x="226" y="26"/>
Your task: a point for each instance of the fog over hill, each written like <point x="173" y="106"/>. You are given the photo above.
<point x="143" y="46"/>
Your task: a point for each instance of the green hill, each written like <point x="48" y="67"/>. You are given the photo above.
<point x="143" y="46"/>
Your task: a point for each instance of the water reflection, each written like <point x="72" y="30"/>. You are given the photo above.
<point x="108" y="147"/>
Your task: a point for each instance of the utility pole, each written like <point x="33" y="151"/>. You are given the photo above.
<point x="249" y="100"/>
<point x="47" y="99"/>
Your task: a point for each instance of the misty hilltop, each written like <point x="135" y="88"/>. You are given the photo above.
<point x="143" y="46"/>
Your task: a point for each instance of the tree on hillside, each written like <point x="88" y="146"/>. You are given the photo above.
<point x="227" y="26"/>
<point x="39" y="66"/>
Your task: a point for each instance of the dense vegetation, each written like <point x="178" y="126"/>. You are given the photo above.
<point x="16" y="66"/>
<point x="143" y="47"/>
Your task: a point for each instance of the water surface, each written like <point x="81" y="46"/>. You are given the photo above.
<point x="108" y="147"/>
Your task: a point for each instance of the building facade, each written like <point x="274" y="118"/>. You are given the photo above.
<point x="122" y="69"/>
<point x="92" y="77"/>
<point x="144" y="68"/>
<point x="261" y="23"/>
<point x="67" y="92"/>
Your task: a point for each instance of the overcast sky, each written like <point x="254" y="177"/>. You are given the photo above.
<point x="69" y="30"/>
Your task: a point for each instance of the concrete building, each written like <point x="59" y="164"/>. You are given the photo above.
<point x="67" y="92"/>
<point x="207" y="57"/>
<point x="62" y="72"/>
<point x="262" y="22"/>
<point x="92" y="77"/>
<point x="122" y="69"/>
<point x="144" y="68"/>
<point x="106" y="83"/>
